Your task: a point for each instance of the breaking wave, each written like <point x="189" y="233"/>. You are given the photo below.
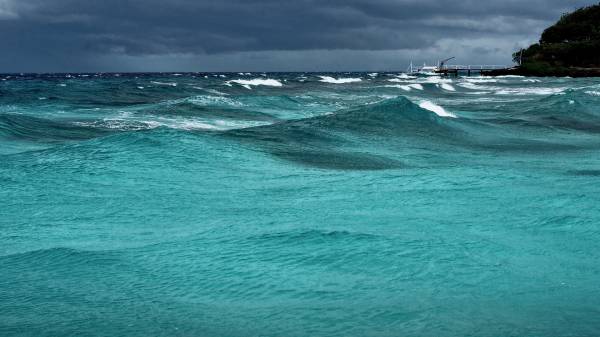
<point x="332" y="80"/>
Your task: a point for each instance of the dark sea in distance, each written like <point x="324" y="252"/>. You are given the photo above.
<point x="299" y="204"/>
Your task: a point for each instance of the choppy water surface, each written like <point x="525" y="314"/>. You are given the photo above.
<point x="299" y="205"/>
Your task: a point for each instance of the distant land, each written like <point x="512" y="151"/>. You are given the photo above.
<point x="571" y="47"/>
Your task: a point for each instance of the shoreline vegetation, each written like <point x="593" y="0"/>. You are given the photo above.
<point x="571" y="47"/>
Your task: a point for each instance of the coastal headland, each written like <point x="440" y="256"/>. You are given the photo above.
<point x="571" y="47"/>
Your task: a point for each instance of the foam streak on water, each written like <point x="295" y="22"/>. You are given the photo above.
<point x="299" y="204"/>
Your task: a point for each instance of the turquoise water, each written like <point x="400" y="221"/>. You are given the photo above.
<point x="299" y="205"/>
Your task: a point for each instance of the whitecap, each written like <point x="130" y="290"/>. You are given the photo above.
<point x="480" y="80"/>
<point x="530" y="91"/>
<point x="438" y="110"/>
<point x="215" y="92"/>
<point x="373" y="75"/>
<point x="399" y="86"/>
<point x="397" y="80"/>
<point x="510" y="76"/>
<point x="446" y="87"/>
<point x="406" y="77"/>
<point x="258" y="81"/>
<point x="472" y="86"/>
<point x="593" y="93"/>
<point x="170" y="84"/>
<point x="203" y="100"/>
<point x="435" y="80"/>
<point x="531" y="80"/>
<point x="329" y="79"/>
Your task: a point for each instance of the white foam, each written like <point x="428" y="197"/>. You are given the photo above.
<point x="328" y="79"/>
<point x="530" y="91"/>
<point x="398" y="80"/>
<point x="373" y="75"/>
<point x="209" y="100"/>
<point x="480" y="80"/>
<point x="438" y="110"/>
<point x="399" y="86"/>
<point x="447" y="87"/>
<point x="170" y="84"/>
<point x="472" y="86"/>
<point x="406" y="77"/>
<point x="510" y="76"/>
<point x="258" y="81"/>
<point x="435" y="80"/>
<point x="215" y="92"/>
<point x="593" y="93"/>
<point x="405" y="87"/>
<point x="531" y="80"/>
<point x="141" y="88"/>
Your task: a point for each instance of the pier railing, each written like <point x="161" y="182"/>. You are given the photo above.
<point x="474" y="67"/>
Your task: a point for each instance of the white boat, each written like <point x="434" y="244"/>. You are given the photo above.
<point x="424" y="70"/>
<point x="428" y="70"/>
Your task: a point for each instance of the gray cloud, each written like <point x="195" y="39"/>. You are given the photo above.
<point x="124" y="35"/>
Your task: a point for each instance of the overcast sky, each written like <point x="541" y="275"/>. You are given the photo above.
<point x="265" y="35"/>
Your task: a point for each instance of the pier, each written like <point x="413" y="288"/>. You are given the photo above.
<point x="469" y="69"/>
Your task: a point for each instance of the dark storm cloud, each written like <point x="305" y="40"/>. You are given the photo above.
<point x="60" y="33"/>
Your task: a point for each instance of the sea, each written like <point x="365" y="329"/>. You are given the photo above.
<point x="299" y="204"/>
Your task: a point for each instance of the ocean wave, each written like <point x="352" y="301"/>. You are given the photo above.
<point x="407" y="87"/>
<point x="405" y="77"/>
<point x="398" y="80"/>
<point x="593" y="93"/>
<point x="574" y="115"/>
<point x="258" y="82"/>
<point x="529" y="91"/>
<point x="51" y="259"/>
<point x="473" y="86"/>
<point x="510" y="76"/>
<point x="169" y="84"/>
<point x="209" y="100"/>
<point x="36" y="129"/>
<point x="434" y="80"/>
<point x="301" y="237"/>
<point x="438" y="110"/>
<point x="481" y="79"/>
<point x="329" y="79"/>
<point x="190" y="124"/>
<point x="447" y="87"/>
<point x="325" y="141"/>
